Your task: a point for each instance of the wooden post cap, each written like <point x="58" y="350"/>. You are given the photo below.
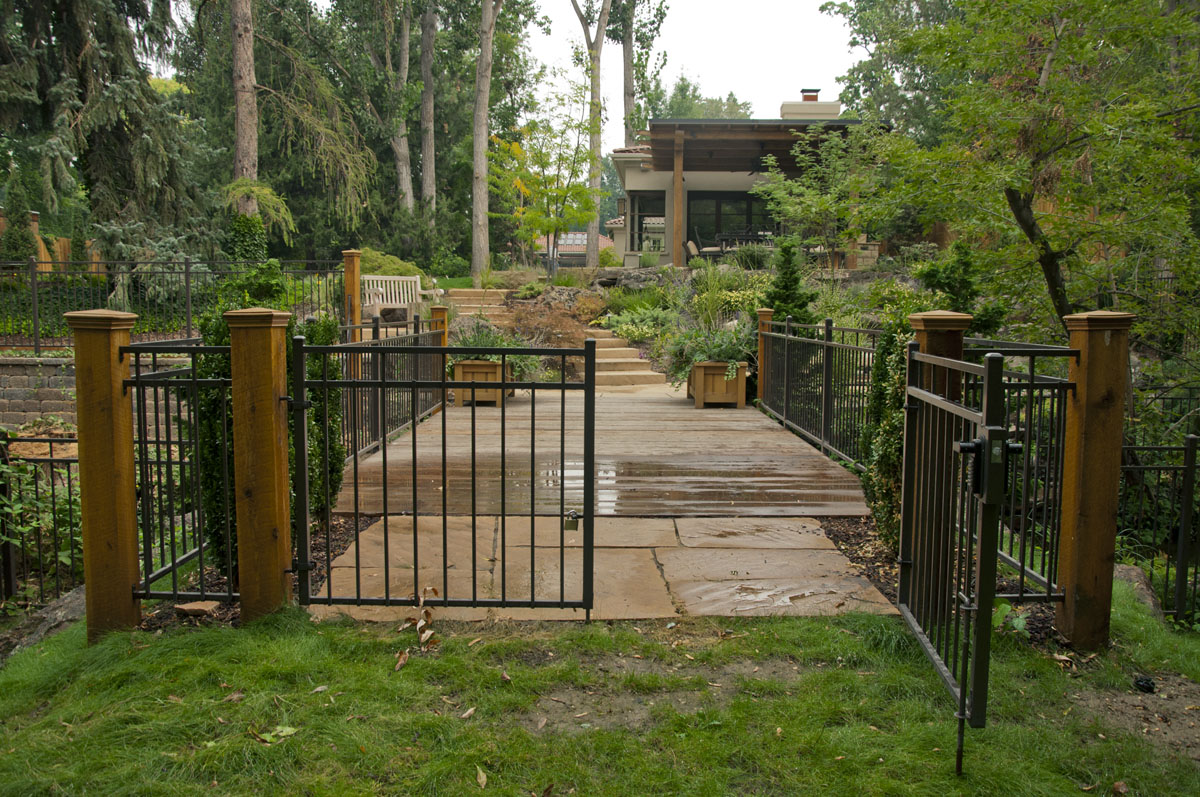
<point x="257" y="317"/>
<point x="940" y="321"/>
<point x="765" y="313"/>
<point x="100" y="319"/>
<point x="1099" y="321"/>
<point x="351" y="252"/>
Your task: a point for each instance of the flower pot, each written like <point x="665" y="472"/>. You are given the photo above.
<point x="479" y="371"/>
<point x="707" y="384"/>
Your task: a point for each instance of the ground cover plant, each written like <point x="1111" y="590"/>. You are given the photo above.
<point x="704" y="705"/>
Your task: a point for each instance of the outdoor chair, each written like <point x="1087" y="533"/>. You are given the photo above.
<point x="708" y="252"/>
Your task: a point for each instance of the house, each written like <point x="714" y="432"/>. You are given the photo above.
<point x="572" y="247"/>
<point x="692" y="181"/>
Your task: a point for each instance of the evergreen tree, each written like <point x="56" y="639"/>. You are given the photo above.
<point x="787" y="295"/>
<point x="17" y="244"/>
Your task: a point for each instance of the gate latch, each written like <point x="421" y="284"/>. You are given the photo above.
<point x="975" y="448"/>
<point x="294" y="405"/>
<point x="302" y="567"/>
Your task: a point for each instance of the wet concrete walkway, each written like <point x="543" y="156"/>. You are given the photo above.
<point x="700" y="512"/>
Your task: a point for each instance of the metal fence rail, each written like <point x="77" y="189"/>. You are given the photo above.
<point x="40" y="539"/>
<point x="469" y="496"/>
<point x="816" y="382"/>
<point x="1160" y="501"/>
<point x="169" y="297"/>
<point x="183" y="462"/>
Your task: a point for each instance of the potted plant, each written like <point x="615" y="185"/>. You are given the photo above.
<point x="713" y="362"/>
<point x="473" y="367"/>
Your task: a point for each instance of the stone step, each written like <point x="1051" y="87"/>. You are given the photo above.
<point x="615" y="378"/>
<point x="471" y="309"/>
<point x="610" y="343"/>
<point x="617" y="354"/>
<point x="622" y="364"/>
<point x="495" y="294"/>
<point x="600" y="334"/>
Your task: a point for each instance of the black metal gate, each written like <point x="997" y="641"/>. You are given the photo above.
<point x="444" y="501"/>
<point x="980" y="508"/>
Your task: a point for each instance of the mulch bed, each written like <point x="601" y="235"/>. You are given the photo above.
<point x="857" y="539"/>
<point x="342" y="533"/>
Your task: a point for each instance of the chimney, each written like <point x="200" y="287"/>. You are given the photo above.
<point x="809" y="95"/>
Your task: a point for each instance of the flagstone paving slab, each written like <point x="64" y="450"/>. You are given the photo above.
<point x="752" y="533"/>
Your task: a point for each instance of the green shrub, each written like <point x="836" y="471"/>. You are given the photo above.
<point x="641" y="324"/>
<point x="752" y="257"/>
<point x="787" y="295"/>
<point x="530" y="290"/>
<point x="449" y="264"/>
<point x="485" y="336"/>
<point x="609" y="259"/>
<point x="648" y="260"/>
<point x="623" y="300"/>
<point x="567" y="279"/>
<point x="385" y="265"/>
<point x="731" y="345"/>
<point x="883" y="436"/>
<point x="79" y="247"/>
<point x="262" y="286"/>
<point x="247" y="238"/>
<point x="17" y="243"/>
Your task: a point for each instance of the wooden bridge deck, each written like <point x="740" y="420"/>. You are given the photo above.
<point x="656" y="456"/>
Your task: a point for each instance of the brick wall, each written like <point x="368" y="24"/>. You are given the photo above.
<point x="32" y="387"/>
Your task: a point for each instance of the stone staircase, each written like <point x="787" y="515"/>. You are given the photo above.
<point x="488" y="301"/>
<point x="619" y="364"/>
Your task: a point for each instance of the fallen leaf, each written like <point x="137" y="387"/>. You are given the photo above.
<point x="779" y="731"/>
<point x="1120" y="788"/>
<point x="408" y="623"/>
<point x="839" y="758"/>
<point x="466" y="715"/>
<point x="578" y="716"/>
<point x="283" y="731"/>
<point x="474" y="641"/>
<point x="541" y="723"/>
<point x="175" y="698"/>
<point x="222" y="720"/>
<point x="319" y="689"/>
<point x="401" y="660"/>
<point x="426" y="635"/>
<point x="504" y="676"/>
<point x="1088" y="788"/>
<point x="689" y="657"/>
<point x="233" y="697"/>
<point x="480" y="776"/>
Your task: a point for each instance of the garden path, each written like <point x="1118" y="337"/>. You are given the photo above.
<point x="702" y="512"/>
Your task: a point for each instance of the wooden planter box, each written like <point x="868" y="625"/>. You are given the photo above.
<point x="478" y="371"/>
<point x="707" y="385"/>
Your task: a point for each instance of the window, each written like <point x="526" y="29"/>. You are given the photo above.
<point x="647" y="221"/>
<point x="713" y="214"/>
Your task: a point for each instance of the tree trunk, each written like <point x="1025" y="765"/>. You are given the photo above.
<point x="595" y="44"/>
<point x="245" y="102"/>
<point x="399" y="141"/>
<point x="429" y="21"/>
<point x="627" y="69"/>
<point x="479" y="130"/>
<point x="1048" y="258"/>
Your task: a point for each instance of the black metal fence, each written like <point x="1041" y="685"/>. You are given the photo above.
<point x="477" y="506"/>
<point x="41" y="543"/>
<point x="169" y="297"/>
<point x="183" y="459"/>
<point x="817" y="382"/>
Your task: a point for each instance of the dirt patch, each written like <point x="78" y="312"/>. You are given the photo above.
<point x="1168" y="717"/>
<point x="858" y="541"/>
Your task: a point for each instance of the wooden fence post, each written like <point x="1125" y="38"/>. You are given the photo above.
<point x="940" y="333"/>
<point x="1092" y="474"/>
<point x="258" y="339"/>
<point x="439" y="316"/>
<point x="352" y="258"/>
<point x="107" y="489"/>
<point x="764" y="325"/>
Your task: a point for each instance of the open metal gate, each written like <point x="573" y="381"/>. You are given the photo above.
<point x="457" y="504"/>
<point x="980" y="503"/>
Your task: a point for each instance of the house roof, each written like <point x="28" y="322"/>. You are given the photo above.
<point x="730" y="145"/>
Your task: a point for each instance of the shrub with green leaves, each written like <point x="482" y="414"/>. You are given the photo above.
<point x="482" y="335"/>
<point x="247" y="238"/>
<point x="385" y="265"/>
<point x="642" y="324"/>
<point x="17" y="243"/>
<point x="752" y="257"/>
<point x="731" y="345"/>
<point x="609" y="259"/>
<point x="263" y="286"/>
<point x="530" y="290"/>
<point x="788" y="295"/>
<point x="648" y="260"/>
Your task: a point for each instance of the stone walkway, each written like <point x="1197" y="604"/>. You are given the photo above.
<point x="700" y="512"/>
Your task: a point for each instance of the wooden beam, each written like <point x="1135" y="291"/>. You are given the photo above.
<point x="680" y="255"/>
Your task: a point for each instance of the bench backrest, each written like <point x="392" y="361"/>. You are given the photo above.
<point x="390" y="290"/>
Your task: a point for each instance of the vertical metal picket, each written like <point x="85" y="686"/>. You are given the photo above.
<point x="301" y="565"/>
<point x="1183" y="553"/>
<point x="589" y="473"/>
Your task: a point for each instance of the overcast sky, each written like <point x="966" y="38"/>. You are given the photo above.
<point x="764" y="51"/>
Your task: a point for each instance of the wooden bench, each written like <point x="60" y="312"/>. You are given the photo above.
<point x="381" y="292"/>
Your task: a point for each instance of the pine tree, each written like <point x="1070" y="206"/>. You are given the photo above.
<point x="787" y="295"/>
<point x="17" y="244"/>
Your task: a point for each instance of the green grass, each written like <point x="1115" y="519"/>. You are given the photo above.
<point x="711" y="706"/>
<point x="446" y="283"/>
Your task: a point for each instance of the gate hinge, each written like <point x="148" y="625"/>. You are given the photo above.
<point x="293" y="404"/>
<point x="301" y="567"/>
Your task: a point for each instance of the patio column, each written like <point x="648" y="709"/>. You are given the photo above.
<point x="680" y="242"/>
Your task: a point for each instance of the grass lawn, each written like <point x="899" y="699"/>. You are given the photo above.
<point x="710" y="706"/>
<point x="446" y="283"/>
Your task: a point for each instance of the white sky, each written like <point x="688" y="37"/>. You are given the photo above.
<point x="764" y="51"/>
